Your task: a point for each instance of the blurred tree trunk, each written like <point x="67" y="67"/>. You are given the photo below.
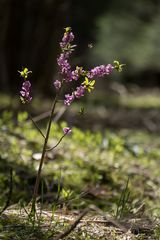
<point x="29" y="37"/>
<point x="4" y="21"/>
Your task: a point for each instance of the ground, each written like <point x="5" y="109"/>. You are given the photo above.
<point x="113" y="167"/>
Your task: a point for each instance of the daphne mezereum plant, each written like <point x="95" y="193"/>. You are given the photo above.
<point x="85" y="81"/>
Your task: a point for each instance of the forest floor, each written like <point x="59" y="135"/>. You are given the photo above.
<point x="101" y="183"/>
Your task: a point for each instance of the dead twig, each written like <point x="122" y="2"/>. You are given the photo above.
<point x="44" y="115"/>
<point x="72" y="226"/>
<point x="109" y="220"/>
<point x="106" y="220"/>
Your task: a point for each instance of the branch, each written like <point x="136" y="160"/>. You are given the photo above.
<point x="47" y="114"/>
<point x="36" y="186"/>
<point x="35" y="124"/>
<point x="49" y="149"/>
<point x="108" y="220"/>
<point x="72" y="226"/>
<point x="42" y="116"/>
<point x="112" y="221"/>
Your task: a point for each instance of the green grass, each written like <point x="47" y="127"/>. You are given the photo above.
<point x="132" y="99"/>
<point x="136" y="100"/>
<point x="86" y="168"/>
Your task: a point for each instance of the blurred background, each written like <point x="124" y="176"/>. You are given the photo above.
<point x="104" y="31"/>
<point x="124" y="30"/>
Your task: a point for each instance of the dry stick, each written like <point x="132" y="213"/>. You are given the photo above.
<point x="42" y="116"/>
<point x="73" y="226"/>
<point x="114" y="222"/>
<point x="60" y="113"/>
<point x="78" y="220"/>
<point x="35" y="193"/>
<point x="46" y="114"/>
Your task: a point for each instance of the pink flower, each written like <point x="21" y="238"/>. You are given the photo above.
<point x="100" y="71"/>
<point x="63" y="63"/>
<point x="79" y="92"/>
<point x="57" y="84"/>
<point x="25" y="92"/>
<point x="74" y="75"/>
<point x="67" y="38"/>
<point x="69" y="99"/>
<point x="67" y="130"/>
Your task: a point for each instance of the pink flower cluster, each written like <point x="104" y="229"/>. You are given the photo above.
<point x="63" y="60"/>
<point x="67" y="38"/>
<point x="79" y="91"/>
<point x="25" y="92"/>
<point x="100" y="71"/>
<point x="69" y="75"/>
<point x="69" y="99"/>
<point x="63" y="64"/>
<point x="57" y="84"/>
<point x="76" y="94"/>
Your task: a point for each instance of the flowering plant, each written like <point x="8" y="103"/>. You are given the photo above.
<point x="86" y="82"/>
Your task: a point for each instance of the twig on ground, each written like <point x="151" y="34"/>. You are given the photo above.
<point x="72" y="226"/>
<point x="106" y="220"/>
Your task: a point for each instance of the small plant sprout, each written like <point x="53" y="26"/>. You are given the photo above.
<point x="118" y="66"/>
<point x="85" y="80"/>
<point x="24" y="73"/>
<point x="122" y="206"/>
<point x="88" y="85"/>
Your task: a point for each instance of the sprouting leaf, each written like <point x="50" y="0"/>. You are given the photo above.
<point x="118" y="66"/>
<point x="81" y="111"/>
<point x="89" y="85"/>
<point x="68" y="29"/>
<point x="24" y="73"/>
<point x="92" y="83"/>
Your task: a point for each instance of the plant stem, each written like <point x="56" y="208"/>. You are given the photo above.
<point x="36" y="187"/>
<point x="49" y="149"/>
<point x="35" y="124"/>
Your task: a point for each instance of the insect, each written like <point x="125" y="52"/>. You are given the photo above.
<point x="90" y="45"/>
